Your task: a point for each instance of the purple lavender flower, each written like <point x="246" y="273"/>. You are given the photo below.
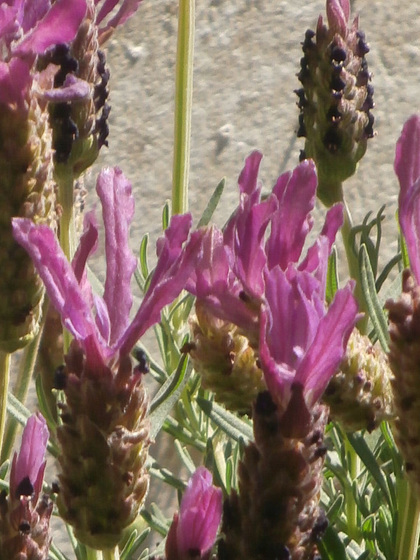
<point x="24" y="517"/>
<point x="258" y="283"/>
<point x="193" y="531"/>
<point x="407" y="168"/>
<point x="101" y="325"/>
<point x="28" y="29"/>
<point x="105" y="424"/>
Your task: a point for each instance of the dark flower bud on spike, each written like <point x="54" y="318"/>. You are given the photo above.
<point x="335" y="79"/>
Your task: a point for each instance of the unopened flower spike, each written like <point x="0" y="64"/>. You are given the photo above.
<point x="79" y="125"/>
<point x="26" y="186"/>
<point x="336" y="98"/>
<point x="404" y="313"/>
<point x="24" y="513"/>
<point x="194" y="529"/>
<point x="359" y="394"/>
<point x="104" y="419"/>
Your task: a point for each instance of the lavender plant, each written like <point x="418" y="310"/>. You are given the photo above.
<point x="281" y="388"/>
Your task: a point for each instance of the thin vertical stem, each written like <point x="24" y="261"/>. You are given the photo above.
<point x="20" y="389"/>
<point x="5" y="359"/>
<point x="183" y="105"/>
<point x="353" y="463"/>
<point x="65" y="180"/>
<point x="408" y="522"/>
<point x="111" y="554"/>
<point x="92" y="554"/>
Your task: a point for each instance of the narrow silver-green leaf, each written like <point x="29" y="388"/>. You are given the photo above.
<point x="168" y="395"/>
<point x="233" y="426"/>
<point x="376" y="312"/>
<point x="212" y="204"/>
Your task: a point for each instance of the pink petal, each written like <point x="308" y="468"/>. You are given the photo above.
<point x="117" y="201"/>
<point x="329" y="345"/>
<point x="407" y="154"/>
<point x="29" y="462"/>
<point x="58" y="277"/>
<point x="292" y="222"/>
<point x="59" y="25"/>
<point x="15" y="81"/>
<point x="127" y="9"/>
<point x="338" y="13"/>
<point x="174" y="267"/>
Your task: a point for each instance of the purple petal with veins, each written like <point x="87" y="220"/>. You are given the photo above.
<point x="117" y="200"/>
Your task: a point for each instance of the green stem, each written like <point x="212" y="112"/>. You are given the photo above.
<point x="20" y="390"/>
<point x="65" y="180"/>
<point x="353" y="266"/>
<point x="92" y="554"/>
<point x="183" y="106"/>
<point x="4" y="387"/>
<point x="353" y="463"/>
<point x="111" y="554"/>
<point x="408" y="522"/>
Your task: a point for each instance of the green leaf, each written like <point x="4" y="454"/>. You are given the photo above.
<point x="212" y="204"/>
<point x="331" y="546"/>
<point x="332" y="276"/>
<point x="166" y="215"/>
<point x="168" y="395"/>
<point x="133" y="543"/>
<point x="376" y="313"/>
<point x="369" y="460"/>
<point x="144" y="267"/>
<point x="233" y="426"/>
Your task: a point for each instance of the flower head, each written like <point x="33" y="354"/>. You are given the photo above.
<point x="101" y="324"/>
<point x="262" y="284"/>
<point x="193" y="531"/>
<point x="335" y="99"/>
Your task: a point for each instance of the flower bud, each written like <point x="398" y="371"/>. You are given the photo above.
<point x="24" y="516"/>
<point x="335" y="100"/>
<point x="225" y="361"/>
<point x="359" y="395"/>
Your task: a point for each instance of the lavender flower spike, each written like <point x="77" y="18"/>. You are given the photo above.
<point x="24" y="518"/>
<point x="193" y="531"/>
<point x="105" y="424"/>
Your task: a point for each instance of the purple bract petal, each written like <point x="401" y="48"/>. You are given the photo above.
<point x="114" y="190"/>
<point x="59" y="25"/>
<point x="301" y="341"/>
<point x="58" y="276"/>
<point x="195" y="528"/>
<point x="125" y="11"/>
<point x="407" y="168"/>
<point x="338" y="13"/>
<point x="15" y="81"/>
<point x="296" y="192"/>
<point x="174" y="268"/>
<point x="29" y="463"/>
